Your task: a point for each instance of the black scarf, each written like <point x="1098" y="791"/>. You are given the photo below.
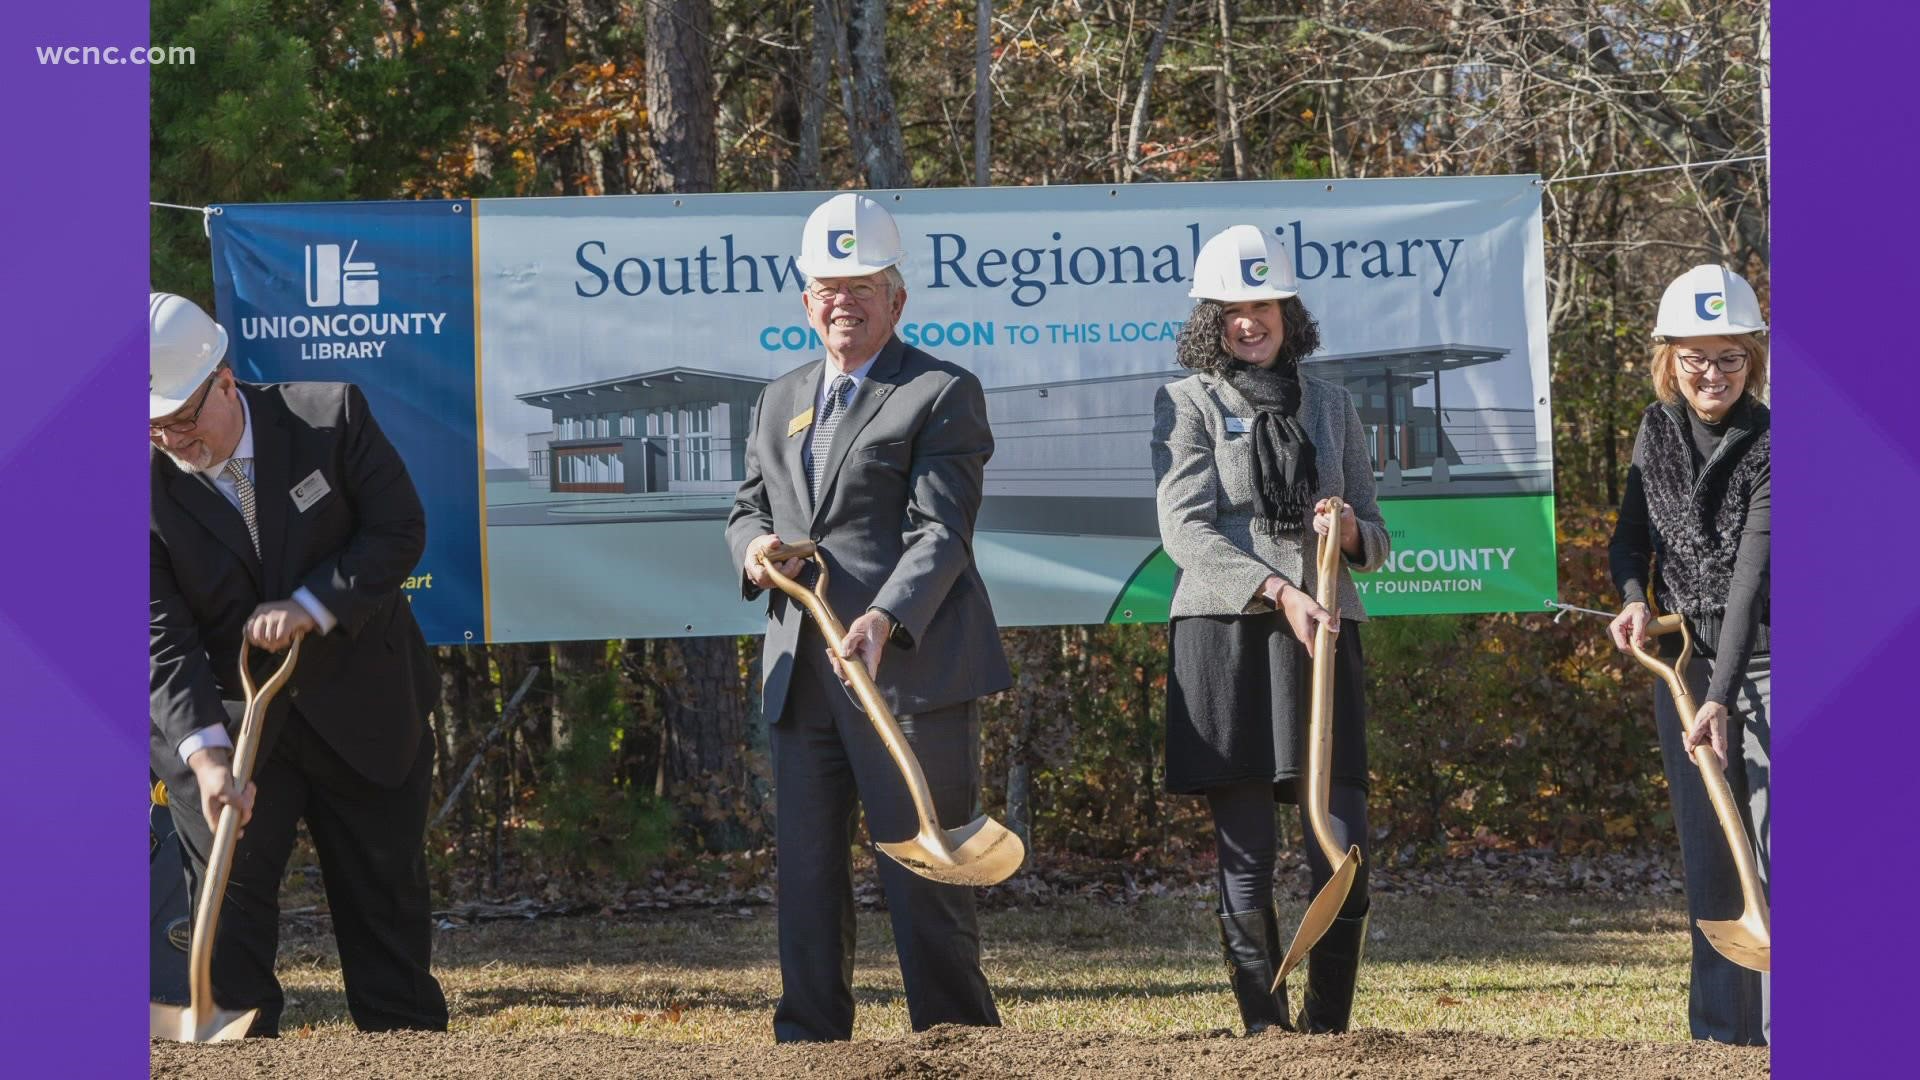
<point x="1284" y="476"/>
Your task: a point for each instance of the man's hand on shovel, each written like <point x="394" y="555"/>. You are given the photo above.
<point x="866" y="639"/>
<point x="274" y="625"/>
<point x="1710" y="729"/>
<point x="757" y="571"/>
<point x="213" y="773"/>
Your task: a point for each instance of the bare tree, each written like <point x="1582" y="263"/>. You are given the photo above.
<point x="1146" y="88"/>
<point x="883" y="153"/>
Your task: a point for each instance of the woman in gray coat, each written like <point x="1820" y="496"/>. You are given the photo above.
<point x="1246" y="451"/>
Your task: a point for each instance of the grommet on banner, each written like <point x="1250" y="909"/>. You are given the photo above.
<point x="457" y="207"/>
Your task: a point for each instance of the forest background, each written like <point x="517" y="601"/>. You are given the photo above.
<point x="578" y="768"/>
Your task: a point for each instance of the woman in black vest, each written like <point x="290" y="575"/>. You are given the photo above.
<point x="1696" y="513"/>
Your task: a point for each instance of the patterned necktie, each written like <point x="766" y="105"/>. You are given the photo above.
<point x="245" y="487"/>
<point x="822" y="438"/>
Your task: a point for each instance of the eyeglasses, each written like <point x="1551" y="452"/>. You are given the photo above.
<point x="181" y="427"/>
<point x="1695" y="363"/>
<point x="859" y="290"/>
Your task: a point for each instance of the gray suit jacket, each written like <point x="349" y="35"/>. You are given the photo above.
<point x="894" y="519"/>
<point x="1204" y="474"/>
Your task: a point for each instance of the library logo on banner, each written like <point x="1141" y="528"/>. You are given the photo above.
<point x="334" y="280"/>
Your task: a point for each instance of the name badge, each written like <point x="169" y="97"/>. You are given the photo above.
<point x="799" y="423"/>
<point x="309" y="491"/>
<point x="1237" y="425"/>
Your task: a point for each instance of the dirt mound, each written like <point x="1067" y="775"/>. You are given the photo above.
<point x="945" y="1053"/>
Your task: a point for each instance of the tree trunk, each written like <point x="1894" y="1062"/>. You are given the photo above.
<point x="547" y="42"/>
<point x="1235" y="161"/>
<point x="680" y="95"/>
<point x="1138" y="127"/>
<point x="813" y="102"/>
<point x="607" y="40"/>
<point x="885" y="152"/>
<point x="705" y="716"/>
<point x="982" y="92"/>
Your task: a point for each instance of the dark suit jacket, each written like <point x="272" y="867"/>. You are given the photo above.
<point x="366" y="686"/>
<point x="895" y="519"/>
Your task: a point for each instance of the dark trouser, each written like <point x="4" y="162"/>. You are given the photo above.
<point x="371" y="844"/>
<point x="1726" y="1002"/>
<point x="828" y="762"/>
<point x="1247" y="839"/>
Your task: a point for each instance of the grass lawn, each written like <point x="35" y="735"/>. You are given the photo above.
<point x="1555" y="968"/>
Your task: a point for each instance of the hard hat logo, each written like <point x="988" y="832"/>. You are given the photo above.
<point x="1254" y="271"/>
<point x="1709" y="305"/>
<point x="840" y="243"/>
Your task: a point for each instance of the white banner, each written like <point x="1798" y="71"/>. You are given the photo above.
<point x="623" y="342"/>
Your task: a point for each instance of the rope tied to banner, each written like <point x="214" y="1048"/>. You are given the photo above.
<point x="206" y="213"/>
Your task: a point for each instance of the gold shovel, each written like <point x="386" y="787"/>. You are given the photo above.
<point x="201" y="1020"/>
<point x="981" y="852"/>
<point x="1747" y="940"/>
<point x="1326" y="906"/>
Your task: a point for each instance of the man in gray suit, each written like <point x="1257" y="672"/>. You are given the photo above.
<point x="876" y="454"/>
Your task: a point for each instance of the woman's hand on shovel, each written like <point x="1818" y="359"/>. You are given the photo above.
<point x="1710" y="729"/>
<point x="213" y="773"/>
<point x="1304" y="614"/>
<point x="1630" y="626"/>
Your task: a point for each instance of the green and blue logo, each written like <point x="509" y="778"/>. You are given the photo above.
<point x="1709" y="305"/>
<point x="1254" y="272"/>
<point x="840" y="243"/>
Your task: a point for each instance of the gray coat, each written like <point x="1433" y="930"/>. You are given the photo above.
<point x="894" y="519"/>
<point x="1204" y="474"/>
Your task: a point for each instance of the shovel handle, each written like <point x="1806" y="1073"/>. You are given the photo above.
<point x="1320" y="718"/>
<point x="803" y="549"/>
<point x="226" y="833"/>
<point x="1712" y="775"/>
<point x="815" y="601"/>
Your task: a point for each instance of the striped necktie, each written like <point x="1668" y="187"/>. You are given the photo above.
<point x="245" y="487"/>
<point x="822" y="438"/>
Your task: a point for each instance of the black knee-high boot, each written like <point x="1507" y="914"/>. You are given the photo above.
<point x="1251" y="941"/>
<point x="1333" y="965"/>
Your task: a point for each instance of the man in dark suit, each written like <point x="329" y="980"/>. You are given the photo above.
<point x="877" y="454"/>
<point x="279" y="511"/>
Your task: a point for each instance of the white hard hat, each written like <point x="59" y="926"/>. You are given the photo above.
<point x="849" y="235"/>
<point x="186" y="347"/>
<point x="1242" y="262"/>
<point x="1708" y="301"/>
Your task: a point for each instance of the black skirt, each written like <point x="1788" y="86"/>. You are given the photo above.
<point x="1237" y="704"/>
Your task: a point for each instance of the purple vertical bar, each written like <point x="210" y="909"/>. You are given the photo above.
<point x="73" y="910"/>
<point x="1847" y="510"/>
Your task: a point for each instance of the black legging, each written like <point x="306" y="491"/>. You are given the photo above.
<point x="1247" y="839"/>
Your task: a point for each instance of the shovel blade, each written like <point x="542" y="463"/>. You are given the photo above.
<point x="1320" y="913"/>
<point x="179" y="1023"/>
<point x="980" y="853"/>
<point x="1746" y="941"/>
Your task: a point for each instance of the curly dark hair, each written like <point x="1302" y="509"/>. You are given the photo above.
<point x="1199" y="348"/>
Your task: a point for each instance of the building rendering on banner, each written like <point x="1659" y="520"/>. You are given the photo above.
<point x="673" y="430"/>
<point x="1070" y="456"/>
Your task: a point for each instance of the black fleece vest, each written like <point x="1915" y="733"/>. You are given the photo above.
<point x="1697" y="518"/>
